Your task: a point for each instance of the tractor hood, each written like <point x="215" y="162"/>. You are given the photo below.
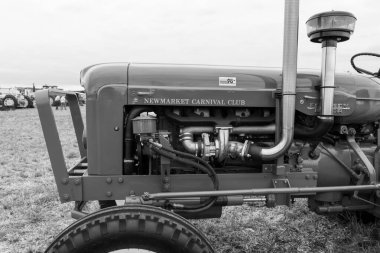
<point x="206" y="85"/>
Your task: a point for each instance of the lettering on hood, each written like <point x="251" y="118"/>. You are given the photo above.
<point x="194" y="101"/>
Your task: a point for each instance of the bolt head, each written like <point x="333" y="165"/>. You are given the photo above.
<point x="120" y="180"/>
<point x="109" y="194"/>
<point x="109" y="180"/>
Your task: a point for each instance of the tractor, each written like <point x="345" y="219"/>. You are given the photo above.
<point x="12" y="98"/>
<point x="164" y="143"/>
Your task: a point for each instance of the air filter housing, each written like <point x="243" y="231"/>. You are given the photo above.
<point x="336" y="25"/>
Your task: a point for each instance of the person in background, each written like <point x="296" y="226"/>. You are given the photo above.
<point x="63" y="102"/>
<point x="57" y="101"/>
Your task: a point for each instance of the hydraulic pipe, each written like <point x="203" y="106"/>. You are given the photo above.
<point x="257" y="130"/>
<point x="289" y="74"/>
<point x="197" y="129"/>
<point x="264" y="191"/>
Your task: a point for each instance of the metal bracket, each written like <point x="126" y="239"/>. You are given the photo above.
<point x="53" y="143"/>
<point x="77" y="212"/>
<point x="132" y="199"/>
<point x="371" y="170"/>
<point x="281" y="183"/>
<point x="141" y="200"/>
<point x="165" y="166"/>
<point x="282" y="199"/>
<point x="356" y="193"/>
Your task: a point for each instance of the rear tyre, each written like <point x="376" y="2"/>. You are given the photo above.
<point x="30" y="102"/>
<point x="131" y="227"/>
<point x="9" y="102"/>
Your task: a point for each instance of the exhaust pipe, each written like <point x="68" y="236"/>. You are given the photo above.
<point x="320" y="30"/>
<point x="200" y="147"/>
<point x="289" y="75"/>
<point x="288" y="94"/>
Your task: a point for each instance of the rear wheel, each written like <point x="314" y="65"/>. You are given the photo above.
<point x="30" y="102"/>
<point x="132" y="228"/>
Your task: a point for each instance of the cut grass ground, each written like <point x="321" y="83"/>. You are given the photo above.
<point x="31" y="214"/>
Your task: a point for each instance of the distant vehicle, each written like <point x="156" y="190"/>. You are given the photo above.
<point x="29" y="93"/>
<point x="12" y="98"/>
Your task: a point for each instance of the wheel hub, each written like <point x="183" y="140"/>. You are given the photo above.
<point x="9" y="102"/>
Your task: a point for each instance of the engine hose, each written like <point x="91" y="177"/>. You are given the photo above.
<point x="206" y="164"/>
<point x="360" y="70"/>
<point x="204" y="169"/>
<point x="208" y="203"/>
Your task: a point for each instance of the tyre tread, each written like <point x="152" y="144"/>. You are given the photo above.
<point x="134" y="217"/>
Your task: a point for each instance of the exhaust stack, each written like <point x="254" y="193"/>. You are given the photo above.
<point x="288" y="93"/>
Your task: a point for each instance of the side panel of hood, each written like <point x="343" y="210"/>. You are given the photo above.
<point x="195" y="85"/>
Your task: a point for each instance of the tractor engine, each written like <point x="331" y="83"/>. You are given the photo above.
<point x="222" y="132"/>
<point x="227" y="117"/>
<point x="244" y="127"/>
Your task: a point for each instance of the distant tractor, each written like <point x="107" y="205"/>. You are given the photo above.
<point x="28" y="93"/>
<point x="12" y="98"/>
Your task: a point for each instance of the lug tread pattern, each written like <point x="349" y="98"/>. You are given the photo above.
<point x="135" y="218"/>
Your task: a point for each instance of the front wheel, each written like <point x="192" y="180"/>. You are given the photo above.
<point x="9" y="102"/>
<point x="132" y="228"/>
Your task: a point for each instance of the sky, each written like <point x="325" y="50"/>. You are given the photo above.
<point x="50" y="41"/>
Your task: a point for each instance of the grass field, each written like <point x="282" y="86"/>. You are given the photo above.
<point x="31" y="214"/>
